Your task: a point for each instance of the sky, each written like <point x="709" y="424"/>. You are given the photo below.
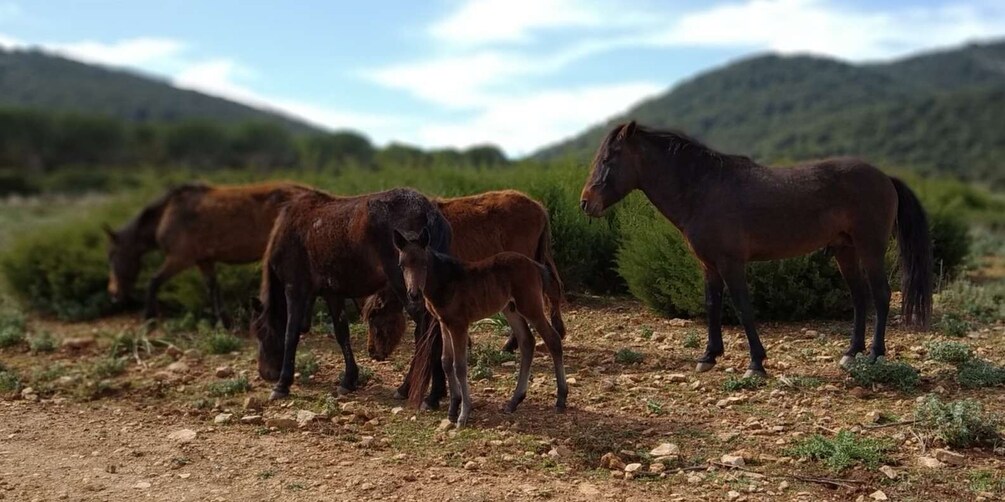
<point x="521" y="74"/>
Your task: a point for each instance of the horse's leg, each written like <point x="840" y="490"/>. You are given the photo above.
<point x="513" y="342"/>
<point x="459" y="341"/>
<point x="447" y="361"/>
<point x="553" y="340"/>
<point x="297" y="303"/>
<point x="872" y="262"/>
<point x="525" y="341"/>
<point x="847" y="260"/>
<point x="209" y="275"/>
<point x="713" y="310"/>
<point x="336" y="309"/>
<point x="735" y="277"/>
<point x="168" y="269"/>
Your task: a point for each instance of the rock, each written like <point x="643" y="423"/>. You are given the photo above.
<point x="305" y="417"/>
<point x="812" y="333"/>
<point x="588" y="489"/>
<point x="888" y="471"/>
<point x="665" y="450"/>
<point x="193" y="354"/>
<point x="178" y="367"/>
<point x="560" y="452"/>
<point x="878" y="495"/>
<point x="657" y="467"/>
<point x="142" y="485"/>
<point x="729" y="401"/>
<point x="733" y="495"/>
<point x="471" y="465"/>
<point x="611" y="461"/>
<point x="726" y="437"/>
<point x="185" y="475"/>
<point x="78" y="343"/>
<point x="679" y="323"/>
<point x="223" y="418"/>
<point x="251" y="419"/>
<point x="183" y="436"/>
<point x="281" y="423"/>
<point x="949" y="457"/>
<point x="633" y="467"/>
<point x="224" y="372"/>
<point x="861" y="392"/>
<point x="27" y="393"/>
<point x="444" y="425"/>
<point x="252" y="403"/>
<point x="784" y="485"/>
<point x="677" y="377"/>
<point x="930" y="463"/>
<point x="873" y="417"/>
<point x="733" y="460"/>
<point x="396" y="410"/>
<point x="173" y="351"/>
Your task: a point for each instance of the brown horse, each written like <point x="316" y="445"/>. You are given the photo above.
<point x="732" y="211"/>
<point x="483" y="225"/>
<point x="336" y="248"/>
<point x="458" y="293"/>
<point x="196" y="225"/>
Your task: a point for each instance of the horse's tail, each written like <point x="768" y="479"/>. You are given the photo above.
<point x="554" y="288"/>
<point x="915" y="256"/>
<point x="270" y="320"/>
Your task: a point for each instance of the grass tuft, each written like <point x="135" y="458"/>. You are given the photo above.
<point x="949" y="352"/>
<point x="959" y="424"/>
<point x="692" y="340"/>
<point x="307" y="366"/>
<point x="221" y="342"/>
<point x="42" y="343"/>
<point x="109" y="367"/>
<point x="628" y="356"/>
<point x="225" y="388"/>
<point x="978" y="373"/>
<point x="12" y="327"/>
<point x="733" y="384"/>
<point x="841" y="452"/>
<point x="897" y="374"/>
<point x="9" y="381"/>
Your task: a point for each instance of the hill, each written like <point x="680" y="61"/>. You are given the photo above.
<point x="935" y="112"/>
<point x="38" y="80"/>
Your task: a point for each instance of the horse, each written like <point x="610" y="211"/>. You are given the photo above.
<point x="336" y="248"/>
<point x="195" y="225"/>
<point x="732" y="210"/>
<point x="483" y="225"/>
<point x="458" y="293"/>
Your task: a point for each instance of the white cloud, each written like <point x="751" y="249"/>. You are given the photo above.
<point x="487" y="21"/>
<point x="127" y="52"/>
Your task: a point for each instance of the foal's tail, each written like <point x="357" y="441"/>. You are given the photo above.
<point x="915" y="256"/>
<point x="553" y="283"/>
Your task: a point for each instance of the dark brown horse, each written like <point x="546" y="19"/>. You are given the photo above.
<point x="196" y="225"/>
<point x="483" y="225"/>
<point x="336" y="248"/>
<point x="458" y="293"/>
<point x="732" y="211"/>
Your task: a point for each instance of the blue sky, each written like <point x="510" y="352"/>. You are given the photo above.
<point x="517" y="73"/>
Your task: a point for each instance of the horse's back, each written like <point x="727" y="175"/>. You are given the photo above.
<point x="488" y="223"/>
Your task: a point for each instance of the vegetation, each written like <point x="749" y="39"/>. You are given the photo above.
<point x="960" y="424"/>
<point x="221" y="342"/>
<point x="227" y="388"/>
<point x="42" y="342"/>
<point x="109" y="367"/>
<point x="978" y="373"/>
<point x="12" y="328"/>
<point x="896" y="374"/>
<point x="843" y="451"/>
<point x="307" y="365"/>
<point x="628" y="356"/>
<point x="733" y="384"/>
<point x="949" y="352"/>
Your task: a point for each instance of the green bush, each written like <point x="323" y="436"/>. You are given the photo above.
<point x="949" y="352"/>
<point x="42" y="343"/>
<point x="978" y="373"/>
<point x="12" y="328"/>
<point x="961" y="424"/>
<point x="963" y="300"/>
<point x="950" y="241"/>
<point x="307" y="365"/>
<point x="220" y="342"/>
<point x="843" y="451"/>
<point x="109" y="367"/>
<point x="897" y="374"/>
<point x="733" y="384"/>
<point x="227" y="388"/>
<point x="628" y="356"/>
<point x="951" y="324"/>
<point x="9" y="382"/>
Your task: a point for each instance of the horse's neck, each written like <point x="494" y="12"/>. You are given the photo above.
<point x="678" y="186"/>
<point x="442" y="278"/>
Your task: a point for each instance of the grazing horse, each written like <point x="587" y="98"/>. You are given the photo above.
<point x="483" y="225"/>
<point x="195" y="225"/>
<point x="732" y="211"/>
<point x="458" y="293"/>
<point x="336" y="248"/>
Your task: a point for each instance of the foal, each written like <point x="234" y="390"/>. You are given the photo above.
<point x="458" y="293"/>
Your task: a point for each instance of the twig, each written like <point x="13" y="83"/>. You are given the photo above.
<point x="843" y="483"/>
<point x="832" y="431"/>
<point x="891" y="424"/>
<point x="921" y="440"/>
<point x="730" y="466"/>
<point x="691" y="468"/>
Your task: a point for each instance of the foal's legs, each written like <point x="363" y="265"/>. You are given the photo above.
<point x="872" y="262"/>
<point x="713" y="308"/>
<point x="449" y="371"/>
<point x="847" y="260"/>
<point x="736" y="281"/>
<point x="168" y="269"/>
<point x="459" y="341"/>
<point x="553" y="340"/>
<point x="336" y="309"/>
<point x="209" y="275"/>
<point x="297" y="302"/>
<point x="525" y="341"/>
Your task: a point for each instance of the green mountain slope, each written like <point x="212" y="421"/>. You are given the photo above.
<point x="36" y="80"/>
<point x="941" y="111"/>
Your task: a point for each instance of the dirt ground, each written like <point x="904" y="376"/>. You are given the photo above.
<point x="155" y="431"/>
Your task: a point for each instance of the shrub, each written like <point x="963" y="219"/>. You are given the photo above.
<point x="692" y="340"/>
<point x="42" y="343"/>
<point x="307" y="365"/>
<point x="950" y="241"/>
<point x="9" y="382"/>
<point x="951" y="324"/>
<point x="733" y="384"/>
<point x="960" y="424"/>
<point x="12" y="326"/>
<point x="981" y="302"/>
<point x="220" y="342"/>
<point x="841" y="452"/>
<point x="978" y="373"/>
<point x="897" y="374"/>
<point x="628" y="356"/>
<point x="949" y="352"/>
<point x="109" y="367"/>
<point x="226" y="388"/>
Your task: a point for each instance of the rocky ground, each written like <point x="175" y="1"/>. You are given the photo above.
<point x="165" y="419"/>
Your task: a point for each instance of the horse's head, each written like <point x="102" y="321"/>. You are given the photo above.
<point x="123" y="263"/>
<point x="413" y="258"/>
<point x="615" y="170"/>
<point x="385" y="325"/>
<point x="270" y="342"/>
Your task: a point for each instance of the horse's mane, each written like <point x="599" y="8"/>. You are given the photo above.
<point x="679" y="143"/>
<point x="151" y="213"/>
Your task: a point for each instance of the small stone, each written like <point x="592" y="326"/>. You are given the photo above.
<point x="185" y="475"/>
<point x="471" y="465"/>
<point x="657" y="467"/>
<point x="950" y="457"/>
<point x="560" y="452"/>
<point x="396" y="410"/>
<point x="78" y="343"/>
<point x="588" y="489"/>
<point x="305" y="417"/>
<point x="635" y="466"/>
<point x="223" y="418"/>
<point x="224" y="372"/>
<point x="252" y="403"/>
<point x="612" y="461"/>
<point x="733" y="495"/>
<point x="251" y="419"/>
<point x="878" y="495"/>
<point x="183" y="436"/>
<point x="676" y="377"/>
<point x="27" y="392"/>
<point x="178" y="367"/>
<point x="142" y="485"/>
<point x="733" y="460"/>
<point x="888" y="471"/>
<point x="193" y="354"/>
<point x="930" y="463"/>
<point x="679" y="323"/>
<point x="281" y="423"/>
<point x="664" y="450"/>
<point x="873" y="417"/>
<point x="784" y="485"/>
<point x="812" y="333"/>
<point x="444" y="425"/>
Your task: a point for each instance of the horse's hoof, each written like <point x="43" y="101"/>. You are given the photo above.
<point x="278" y="395"/>
<point x="703" y="367"/>
<point x="461" y="422"/>
<point x="846" y="361"/>
<point x="755" y="374"/>
<point x="509" y="408"/>
<point x="343" y="390"/>
<point x="560" y="408"/>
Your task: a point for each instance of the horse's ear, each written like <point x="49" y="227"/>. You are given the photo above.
<point x="399" y="240"/>
<point x="112" y="236"/>
<point x="628" y="130"/>
<point x="424" y="237"/>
